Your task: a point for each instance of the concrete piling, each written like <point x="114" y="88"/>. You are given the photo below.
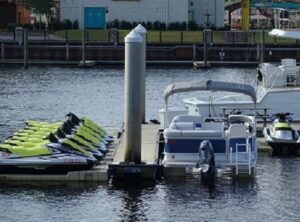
<point x="143" y="33"/>
<point x="132" y="111"/>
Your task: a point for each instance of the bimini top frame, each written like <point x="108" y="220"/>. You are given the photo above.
<point x="209" y="86"/>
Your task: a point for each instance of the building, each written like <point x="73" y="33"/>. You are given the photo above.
<point x="16" y="12"/>
<point x="95" y="13"/>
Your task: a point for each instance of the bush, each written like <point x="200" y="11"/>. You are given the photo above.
<point x="66" y="24"/>
<point x="28" y="26"/>
<point x="183" y="26"/>
<point x="125" y="25"/>
<point x="11" y="26"/>
<point x="113" y="24"/>
<point x="193" y="26"/>
<point x="148" y="25"/>
<point x="55" y="25"/>
<point x="156" y="25"/>
<point x="39" y="25"/>
<point x="75" y="24"/>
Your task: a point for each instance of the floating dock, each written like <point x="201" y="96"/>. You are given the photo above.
<point x="149" y="156"/>
<point x="113" y="162"/>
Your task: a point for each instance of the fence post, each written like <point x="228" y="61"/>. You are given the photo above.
<point x="160" y="37"/>
<point x="181" y="36"/>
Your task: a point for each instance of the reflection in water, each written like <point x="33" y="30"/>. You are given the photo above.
<point x="133" y="205"/>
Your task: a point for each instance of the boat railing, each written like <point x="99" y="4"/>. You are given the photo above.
<point x="290" y="77"/>
<point x="261" y="114"/>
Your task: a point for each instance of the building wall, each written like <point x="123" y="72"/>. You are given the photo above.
<point x="131" y="10"/>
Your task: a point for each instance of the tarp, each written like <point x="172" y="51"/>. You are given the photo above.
<point x="209" y="86"/>
<point x="285" y="33"/>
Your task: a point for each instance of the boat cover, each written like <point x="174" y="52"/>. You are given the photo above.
<point x="209" y="86"/>
<point x="295" y="34"/>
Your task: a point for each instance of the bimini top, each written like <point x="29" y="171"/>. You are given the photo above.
<point x="294" y="34"/>
<point x="209" y="86"/>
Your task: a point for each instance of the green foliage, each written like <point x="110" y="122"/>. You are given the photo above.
<point x="177" y="26"/>
<point x="11" y="26"/>
<point x="43" y="7"/>
<point x="75" y="24"/>
<point x="149" y="25"/>
<point x="193" y="26"/>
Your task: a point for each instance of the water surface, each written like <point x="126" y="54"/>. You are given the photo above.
<point x="49" y="93"/>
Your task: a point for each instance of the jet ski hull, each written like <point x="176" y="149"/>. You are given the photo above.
<point x="52" y="164"/>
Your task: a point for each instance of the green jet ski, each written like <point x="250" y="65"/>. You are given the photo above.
<point x="281" y="136"/>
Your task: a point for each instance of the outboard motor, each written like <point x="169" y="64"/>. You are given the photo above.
<point x="259" y="75"/>
<point x="207" y="161"/>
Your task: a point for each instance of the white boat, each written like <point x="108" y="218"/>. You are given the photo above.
<point x="233" y="138"/>
<point x="277" y="90"/>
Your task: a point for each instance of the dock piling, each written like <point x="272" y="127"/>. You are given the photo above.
<point x="83" y="47"/>
<point x="67" y="51"/>
<point x="205" y="47"/>
<point x="143" y="33"/>
<point x="25" y="42"/>
<point x="2" y="50"/>
<point x="133" y="115"/>
<point x="262" y="47"/>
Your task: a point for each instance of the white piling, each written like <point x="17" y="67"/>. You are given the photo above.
<point x="143" y="33"/>
<point x="132" y="111"/>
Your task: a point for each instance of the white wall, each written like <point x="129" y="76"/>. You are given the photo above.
<point x="138" y="10"/>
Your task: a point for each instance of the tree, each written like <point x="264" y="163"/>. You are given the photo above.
<point x="40" y="8"/>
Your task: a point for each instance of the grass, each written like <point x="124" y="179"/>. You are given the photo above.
<point x="170" y="36"/>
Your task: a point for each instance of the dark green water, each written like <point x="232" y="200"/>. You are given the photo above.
<point x="49" y="93"/>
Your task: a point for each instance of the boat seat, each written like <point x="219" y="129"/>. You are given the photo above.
<point x="237" y="134"/>
<point x="182" y="126"/>
<point x="188" y="118"/>
<point x="203" y="134"/>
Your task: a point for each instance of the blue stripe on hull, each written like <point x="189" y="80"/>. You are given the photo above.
<point x="192" y="145"/>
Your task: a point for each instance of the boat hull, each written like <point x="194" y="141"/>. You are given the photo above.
<point x="54" y="164"/>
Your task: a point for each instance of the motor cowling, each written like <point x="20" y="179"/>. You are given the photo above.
<point x="207" y="161"/>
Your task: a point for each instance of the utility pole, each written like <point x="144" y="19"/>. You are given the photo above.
<point x="207" y="19"/>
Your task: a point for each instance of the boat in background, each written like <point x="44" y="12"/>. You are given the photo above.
<point x="232" y="138"/>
